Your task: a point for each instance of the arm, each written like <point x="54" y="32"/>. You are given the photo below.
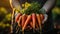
<point x="15" y="4"/>
<point x="48" y="5"/>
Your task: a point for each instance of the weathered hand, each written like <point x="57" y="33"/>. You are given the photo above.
<point x="45" y="18"/>
<point x="42" y="10"/>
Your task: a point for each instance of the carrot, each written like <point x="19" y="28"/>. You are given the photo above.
<point x="42" y="17"/>
<point x="31" y="24"/>
<point x="37" y="26"/>
<point x="26" y="27"/>
<point x="17" y="17"/>
<point x="19" y="24"/>
<point x="39" y="22"/>
<point x="23" y="19"/>
<point x="34" y="20"/>
<point x="26" y="22"/>
<point x="38" y="19"/>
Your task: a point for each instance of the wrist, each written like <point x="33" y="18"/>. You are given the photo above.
<point x="42" y="10"/>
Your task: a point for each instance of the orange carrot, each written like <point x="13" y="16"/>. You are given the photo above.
<point x="23" y="19"/>
<point x="17" y="17"/>
<point x="39" y="22"/>
<point x="37" y="26"/>
<point x="26" y="22"/>
<point x="31" y="24"/>
<point x="34" y="20"/>
<point x="41" y="16"/>
<point x="38" y="19"/>
<point x="19" y="21"/>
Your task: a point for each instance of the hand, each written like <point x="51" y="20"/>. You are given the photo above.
<point x="42" y="10"/>
<point x="45" y="18"/>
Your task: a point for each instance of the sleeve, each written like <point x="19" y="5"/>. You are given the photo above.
<point x="48" y="5"/>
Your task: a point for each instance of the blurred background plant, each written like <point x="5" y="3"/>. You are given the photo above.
<point x="5" y="20"/>
<point x="5" y="15"/>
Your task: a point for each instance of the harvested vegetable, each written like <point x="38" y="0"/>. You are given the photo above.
<point x="19" y="21"/>
<point x="17" y="17"/>
<point x="34" y="19"/>
<point x="31" y="24"/>
<point x="37" y="26"/>
<point x="31" y="17"/>
<point x="26" y="22"/>
<point x="38" y="19"/>
<point x="39" y="22"/>
<point x="42" y="17"/>
<point x="23" y="19"/>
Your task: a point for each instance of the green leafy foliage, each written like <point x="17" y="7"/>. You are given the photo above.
<point x="34" y="8"/>
<point x="56" y="12"/>
<point x="58" y="3"/>
<point x="2" y="13"/>
<point x="5" y="18"/>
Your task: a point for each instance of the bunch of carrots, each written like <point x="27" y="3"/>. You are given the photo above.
<point x="32" y="21"/>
